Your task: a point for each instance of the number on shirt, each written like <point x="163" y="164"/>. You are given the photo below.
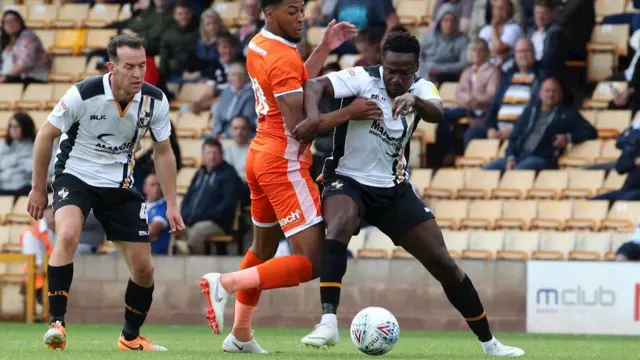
<point x="143" y="211"/>
<point x="262" y="108"/>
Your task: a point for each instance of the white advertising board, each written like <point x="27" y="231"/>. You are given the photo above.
<point x="576" y="297"/>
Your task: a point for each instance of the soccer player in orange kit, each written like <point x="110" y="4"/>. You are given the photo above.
<point x="285" y="201"/>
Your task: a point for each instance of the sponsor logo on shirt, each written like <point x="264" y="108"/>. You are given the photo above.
<point x="98" y="117"/>
<point x="126" y="148"/>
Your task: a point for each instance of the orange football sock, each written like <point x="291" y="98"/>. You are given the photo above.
<point x="242" y="321"/>
<point x="285" y="271"/>
<point x="249" y="297"/>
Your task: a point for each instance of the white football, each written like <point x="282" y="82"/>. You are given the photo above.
<point x="375" y="331"/>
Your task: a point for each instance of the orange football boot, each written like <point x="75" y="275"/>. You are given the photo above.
<point x="141" y="343"/>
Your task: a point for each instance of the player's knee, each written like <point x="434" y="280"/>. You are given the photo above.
<point x="264" y="251"/>
<point x="67" y="241"/>
<point x="142" y="273"/>
<point x="342" y="225"/>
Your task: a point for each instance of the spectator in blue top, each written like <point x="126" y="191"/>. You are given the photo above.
<point x="377" y="16"/>
<point x="157" y="216"/>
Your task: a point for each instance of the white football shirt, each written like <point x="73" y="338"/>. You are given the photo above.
<point x="99" y="138"/>
<point x="374" y="153"/>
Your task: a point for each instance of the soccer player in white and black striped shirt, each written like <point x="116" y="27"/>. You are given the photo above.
<point x="101" y="121"/>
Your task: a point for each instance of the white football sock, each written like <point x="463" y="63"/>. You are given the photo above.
<point x="329" y="319"/>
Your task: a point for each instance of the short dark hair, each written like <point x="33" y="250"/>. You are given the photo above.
<point x="549" y="4"/>
<point x="266" y="3"/>
<point x="212" y="142"/>
<point x="131" y="41"/>
<point x="26" y="125"/>
<point x="367" y="37"/>
<point x="183" y="3"/>
<point x="401" y="42"/>
<point x="226" y="36"/>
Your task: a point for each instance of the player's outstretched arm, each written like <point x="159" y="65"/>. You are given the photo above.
<point x="41" y="159"/>
<point x="425" y="101"/>
<point x="334" y="36"/>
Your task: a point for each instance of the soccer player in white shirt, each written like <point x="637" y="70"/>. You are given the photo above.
<point x="365" y="181"/>
<point x="101" y="121"/>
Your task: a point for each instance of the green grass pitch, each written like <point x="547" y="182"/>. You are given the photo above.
<point x="22" y="341"/>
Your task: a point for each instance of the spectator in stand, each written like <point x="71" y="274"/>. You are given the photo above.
<point x="502" y="34"/>
<point x="476" y="89"/>
<point x="23" y="58"/>
<point x="157" y="216"/>
<point x="543" y="131"/>
<point x="236" y="100"/>
<point x="235" y="153"/>
<point x="209" y="206"/>
<point x="151" y="22"/>
<point x="517" y="89"/>
<point x="483" y="12"/>
<point x="16" y="156"/>
<point x="217" y="71"/>
<point x="369" y="49"/>
<point x="377" y="16"/>
<point x="627" y="163"/>
<point x="577" y="18"/>
<point x="207" y="48"/>
<point x="252" y="27"/>
<point x="177" y="43"/>
<point x="443" y="53"/>
<point x="463" y="10"/>
<point x="549" y="40"/>
<point x="145" y="164"/>
<point x="630" y="251"/>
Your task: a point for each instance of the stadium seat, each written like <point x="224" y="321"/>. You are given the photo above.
<point x="608" y="42"/>
<point x="456" y="242"/>
<point x="191" y="151"/>
<point x="41" y="15"/>
<point x="617" y="239"/>
<point x="67" y="69"/>
<point x="484" y="245"/>
<point x="609" y="151"/>
<point x="357" y="242"/>
<point x="514" y="184"/>
<point x="229" y="11"/>
<point x="69" y="42"/>
<point x="413" y="12"/>
<point x="591" y="246"/>
<point x="445" y="183"/>
<point x="517" y="214"/>
<point x="15" y="232"/>
<point x="479" y="152"/>
<point x="378" y="245"/>
<point x="581" y="154"/>
<point x="482" y="214"/>
<point x="97" y="38"/>
<point x="583" y="184"/>
<point x="588" y="214"/>
<point x="479" y="184"/>
<point x="315" y="35"/>
<point x="549" y="184"/>
<point x="609" y="7"/>
<point x="590" y="115"/>
<point x="5" y="116"/>
<point x="448" y="93"/>
<point x="19" y="214"/>
<point x="613" y="122"/>
<point x="71" y="16"/>
<point x="101" y="15"/>
<point x="6" y="206"/>
<point x="552" y="214"/>
<point x="185" y="175"/>
<point x="35" y="97"/>
<point x="47" y="38"/>
<point x="5" y="237"/>
<point x="125" y="12"/>
<point x="614" y="181"/>
<point x="427" y="131"/>
<point x="421" y="178"/>
<point x="603" y="93"/>
<point x="9" y="95"/>
<point x="188" y="93"/>
<point x="39" y="117"/>
<point x="622" y="215"/>
<point x="59" y="89"/>
<point x="451" y="212"/>
<point x="193" y="126"/>
<point x="519" y="245"/>
<point x="555" y="245"/>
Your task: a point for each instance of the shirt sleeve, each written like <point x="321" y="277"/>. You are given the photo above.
<point x="67" y="111"/>
<point x="160" y="126"/>
<point x="287" y="75"/>
<point x="511" y="34"/>
<point x="426" y="90"/>
<point x="348" y="82"/>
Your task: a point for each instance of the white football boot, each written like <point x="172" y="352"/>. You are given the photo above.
<point x="323" y="336"/>
<point x="494" y="347"/>
<point x="217" y="298"/>
<point x="233" y="345"/>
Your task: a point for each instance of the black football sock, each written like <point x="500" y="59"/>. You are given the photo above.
<point x="137" y="302"/>
<point x="59" y="279"/>
<point x="464" y="297"/>
<point x="334" y="266"/>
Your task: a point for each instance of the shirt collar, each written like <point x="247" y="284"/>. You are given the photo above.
<point x="108" y="93"/>
<point x="269" y="35"/>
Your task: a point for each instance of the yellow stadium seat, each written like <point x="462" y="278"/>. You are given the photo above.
<point x="482" y="214"/>
<point x="357" y="242"/>
<point x="617" y="239"/>
<point x="581" y="154"/>
<point x="47" y="38"/>
<point x="35" y="97"/>
<point x="456" y="242"/>
<point x="591" y="246"/>
<point x="451" y="212"/>
<point x="6" y="205"/>
<point x="588" y="214"/>
<point x="514" y="184"/>
<point x="125" y="12"/>
<point x="67" y="68"/>
<point x="4" y="239"/>
<point x="102" y="14"/>
<point x="552" y="214"/>
<point x="185" y="175"/>
<point x="609" y="151"/>
<point x="583" y="184"/>
<point x="189" y="93"/>
<point x="517" y="214"/>
<point x="427" y="131"/>
<point x="622" y="215"/>
<point x="377" y="245"/>
<point x="448" y="93"/>
<point x="484" y="245"/>
<point x="41" y="16"/>
<point x="614" y="181"/>
<point x="71" y="15"/>
<point x="607" y="43"/>
<point x="549" y="184"/>
<point x="19" y="214"/>
<point x="590" y="115"/>
<point x="229" y="11"/>
<point x="445" y="183"/>
<point x="479" y="184"/>
<point x="315" y="35"/>
<point x="5" y="116"/>
<point x="15" y="233"/>
<point x="479" y="152"/>
<point x="603" y="93"/>
<point x="613" y="122"/>
<point x="9" y="95"/>
<point x="193" y="126"/>
<point x="191" y="151"/>
<point x="421" y="178"/>
<point x="39" y="117"/>
<point x="609" y="7"/>
<point x="97" y="39"/>
<point x="519" y="245"/>
<point x="69" y="42"/>
<point x="413" y="12"/>
<point x="555" y="245"/>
